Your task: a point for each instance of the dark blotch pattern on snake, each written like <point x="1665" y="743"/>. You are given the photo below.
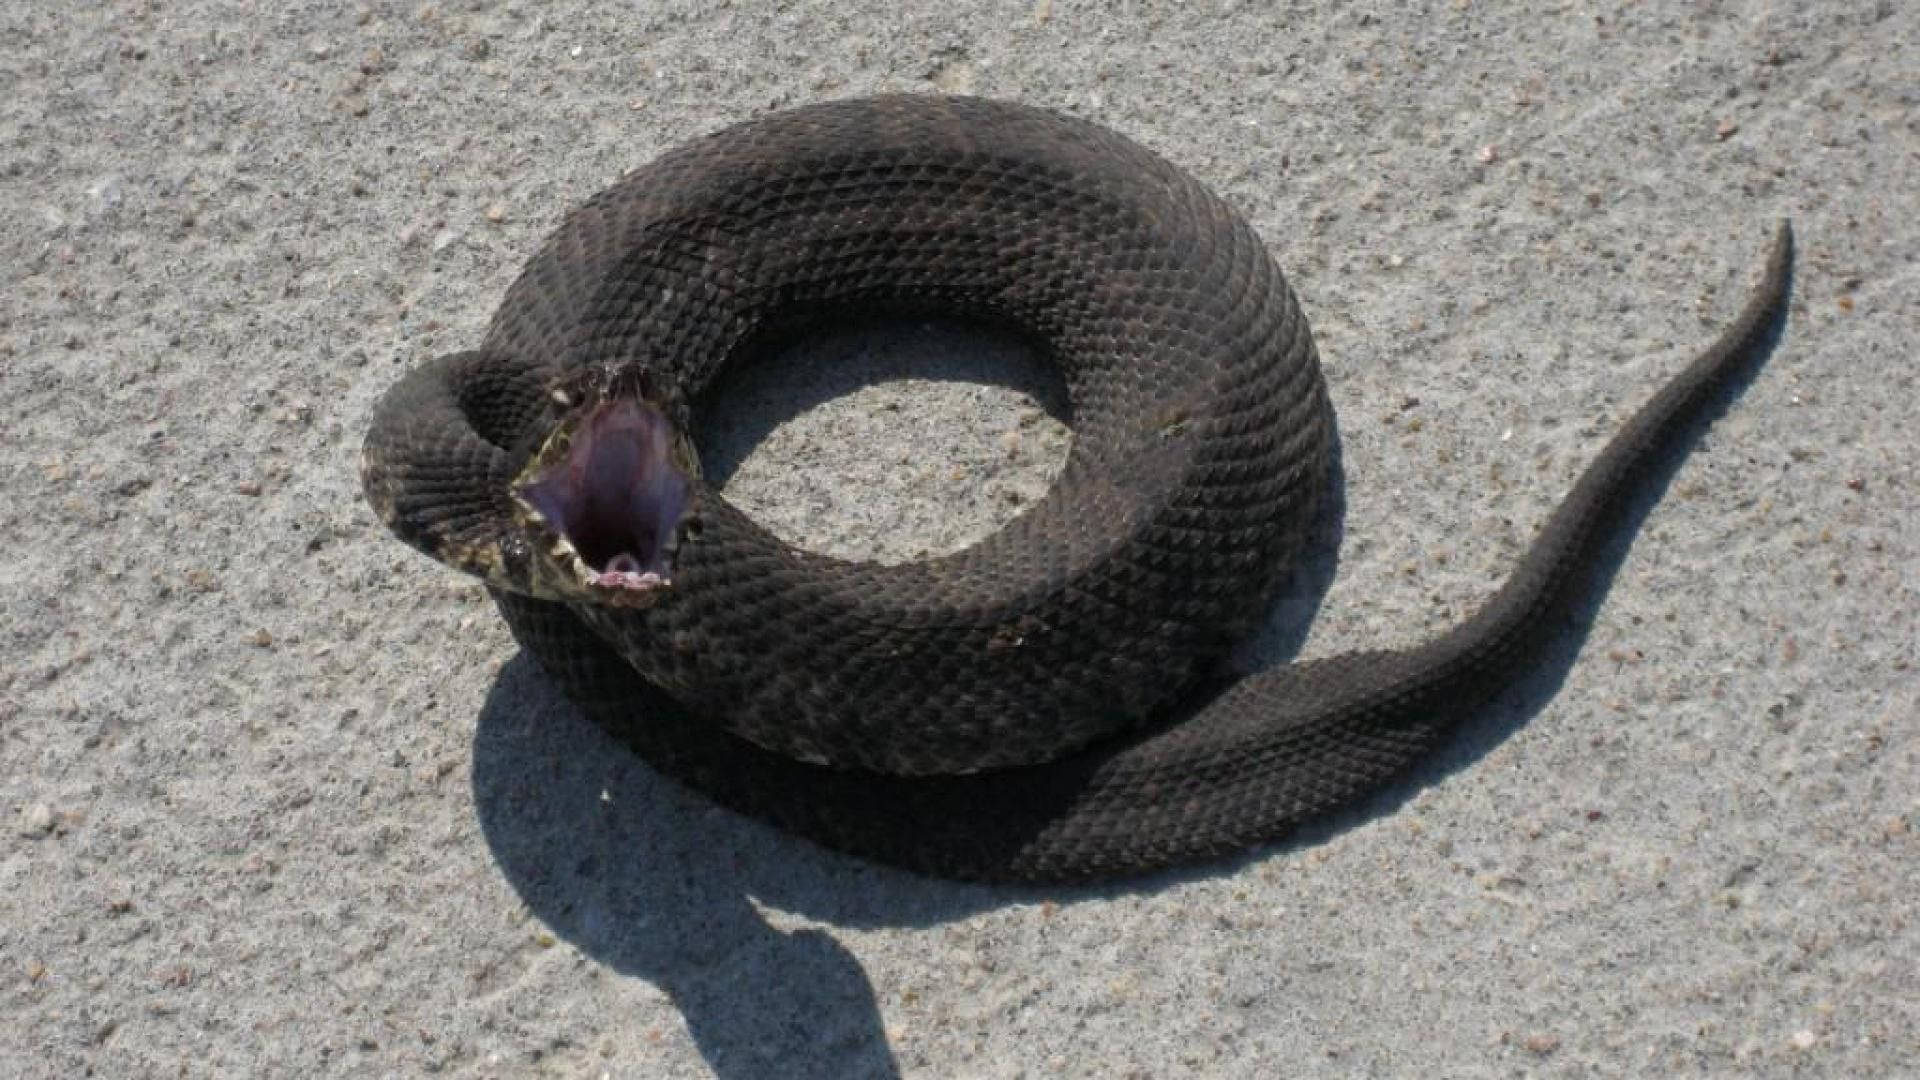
<point x="1043" y="705"/>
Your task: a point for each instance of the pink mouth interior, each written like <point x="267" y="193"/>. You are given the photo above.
<point x="616" y="495"/>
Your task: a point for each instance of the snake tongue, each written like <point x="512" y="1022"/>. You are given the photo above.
<point x="615" y="495"/>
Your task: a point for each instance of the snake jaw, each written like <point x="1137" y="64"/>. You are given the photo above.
<point x="609" y="495"/>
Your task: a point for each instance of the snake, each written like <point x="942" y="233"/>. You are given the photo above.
<point x="1049" y="704"/>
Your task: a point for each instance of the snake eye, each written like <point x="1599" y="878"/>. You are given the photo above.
<point x="608" y="486"/>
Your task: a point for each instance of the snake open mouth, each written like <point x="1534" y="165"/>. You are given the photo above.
<point x="609" y="487"/>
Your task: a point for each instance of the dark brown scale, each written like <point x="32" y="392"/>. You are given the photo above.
<point x="1053" y="664"/>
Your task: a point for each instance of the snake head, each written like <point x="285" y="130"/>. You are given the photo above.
<point x="605" y="497"/>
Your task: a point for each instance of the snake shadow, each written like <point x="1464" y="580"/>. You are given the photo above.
<point x="654" y="882"/>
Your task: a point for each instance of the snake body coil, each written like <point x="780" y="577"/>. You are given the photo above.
<point x="1037" y="706"/>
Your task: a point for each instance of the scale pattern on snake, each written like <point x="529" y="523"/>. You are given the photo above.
<point x="1048" y="704"/>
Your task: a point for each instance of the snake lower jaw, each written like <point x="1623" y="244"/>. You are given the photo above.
<point x="604" y="499"/>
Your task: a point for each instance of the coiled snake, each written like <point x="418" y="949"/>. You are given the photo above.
<point x="1044" y="705"/>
